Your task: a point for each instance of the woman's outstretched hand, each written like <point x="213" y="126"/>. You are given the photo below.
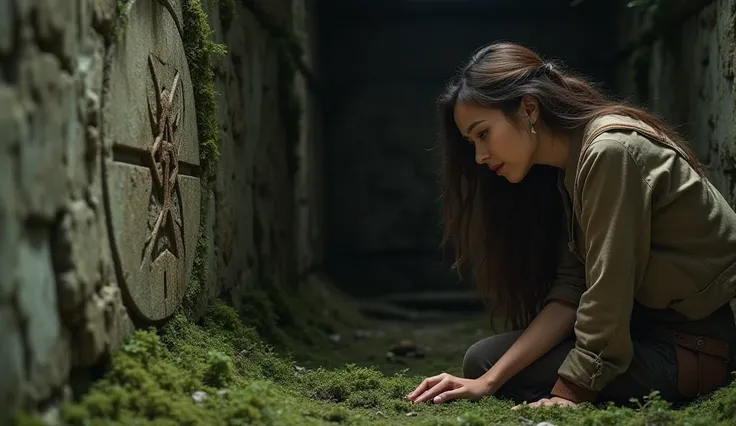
<point x="446" y="387"/>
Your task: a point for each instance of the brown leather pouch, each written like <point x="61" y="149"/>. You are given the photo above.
<point x="702" y="362"/>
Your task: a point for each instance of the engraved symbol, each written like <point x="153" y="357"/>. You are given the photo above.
<point x="165" y="163"/>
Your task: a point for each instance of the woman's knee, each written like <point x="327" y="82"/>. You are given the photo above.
<point x="484" y="353"/>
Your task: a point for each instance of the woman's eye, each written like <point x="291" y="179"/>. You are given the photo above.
<point x="482" y="135"/>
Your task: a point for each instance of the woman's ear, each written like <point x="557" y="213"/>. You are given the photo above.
<point x="529" y="108"/>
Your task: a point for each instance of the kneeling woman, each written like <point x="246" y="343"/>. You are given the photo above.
<point x="593" y="229"/>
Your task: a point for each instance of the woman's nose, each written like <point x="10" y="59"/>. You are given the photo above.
<point x="481" y="156"/>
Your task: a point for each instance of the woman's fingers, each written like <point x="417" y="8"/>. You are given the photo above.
<point x="435" y="390"/>
<point x="425" y="386"/>
<point x="450" y="395"/>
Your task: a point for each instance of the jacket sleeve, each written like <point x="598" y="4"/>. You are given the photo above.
<point x="615" y="216"/>
<point x="569" y="283"/>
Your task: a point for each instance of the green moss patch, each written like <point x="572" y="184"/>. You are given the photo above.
<point x="219" y="372"/>
<point x="200" y="49"/>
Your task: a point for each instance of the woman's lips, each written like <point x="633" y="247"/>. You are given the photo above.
<point x="497" y="168"/>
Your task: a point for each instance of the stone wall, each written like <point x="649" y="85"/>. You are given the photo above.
<point x="115" y="210"/>
<point x="263" y="217"/>
<point x="679" y="61"/>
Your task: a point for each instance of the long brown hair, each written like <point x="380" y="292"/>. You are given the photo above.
<point x="509" y="234"/>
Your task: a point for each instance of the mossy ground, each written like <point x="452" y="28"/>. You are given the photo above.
<point x="219" y="371"/>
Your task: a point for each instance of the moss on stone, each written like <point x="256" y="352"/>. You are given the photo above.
<point x="227" y="13"/>
<point x="118" y="29"/>
<point x="199" y="49"/>
<point x="290" y="53"/>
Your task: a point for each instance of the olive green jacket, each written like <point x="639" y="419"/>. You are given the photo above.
<point x="643" y="226"/>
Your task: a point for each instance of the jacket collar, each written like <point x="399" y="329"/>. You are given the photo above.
<point x="593" y="129"/>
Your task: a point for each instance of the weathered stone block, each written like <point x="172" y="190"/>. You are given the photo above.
<point x="277" y="12"/>
<point x="37" y="304"/>
<point x="119" y="325"/>
<point x="105" y="325"/>
<point x="49" y="376"/>
<point x="243" y="116"/>
<point x="91" y="339"/>
<point x="103" y="14"/>
<point x="11" y="129"/>
<point x="7" y="21"/>
<point x="55" y="24"/>
<point x="11" y="358"/>
<point x="77" y="256"/>
<point x="50" y="102"/>
<point x="303" y="26"/>
<point x="152" y="184"/>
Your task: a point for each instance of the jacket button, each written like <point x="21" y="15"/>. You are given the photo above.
<point x="571" y="246"/>
<point x="700" y="343"/>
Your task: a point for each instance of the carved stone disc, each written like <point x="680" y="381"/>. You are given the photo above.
<point x="152" y="188"/>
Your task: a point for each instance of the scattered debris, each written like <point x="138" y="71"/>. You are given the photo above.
<point x="334" y="337"/>
<point x="408" y="348"/>
<point x="199" y="396"/>
<point x="364" y="334"/>
<point x="411" y="414"/>
<point x="299" y="369"/>
<point x="529" y="422"/>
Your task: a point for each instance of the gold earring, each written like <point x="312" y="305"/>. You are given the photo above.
<point x="531" y="126"/>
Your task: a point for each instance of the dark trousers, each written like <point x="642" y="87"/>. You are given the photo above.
<point x="654" y="366"/>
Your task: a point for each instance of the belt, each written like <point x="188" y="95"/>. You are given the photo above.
<point x="701" y="361"/>
<point x="703" y="344"/>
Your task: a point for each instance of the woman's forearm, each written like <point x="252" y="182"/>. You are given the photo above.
<point x="551" y="326"/>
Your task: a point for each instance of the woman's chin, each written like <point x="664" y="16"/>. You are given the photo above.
<point x="513" y="176"/>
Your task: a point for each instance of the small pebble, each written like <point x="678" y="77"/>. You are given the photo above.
<point x="363" y="334"/>
<point x="335" y="337"/>
<point x="199" y="396"/>
<point x="51" y="416"/>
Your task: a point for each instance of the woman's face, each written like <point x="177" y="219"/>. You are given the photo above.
<point x="506" y="149"/>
